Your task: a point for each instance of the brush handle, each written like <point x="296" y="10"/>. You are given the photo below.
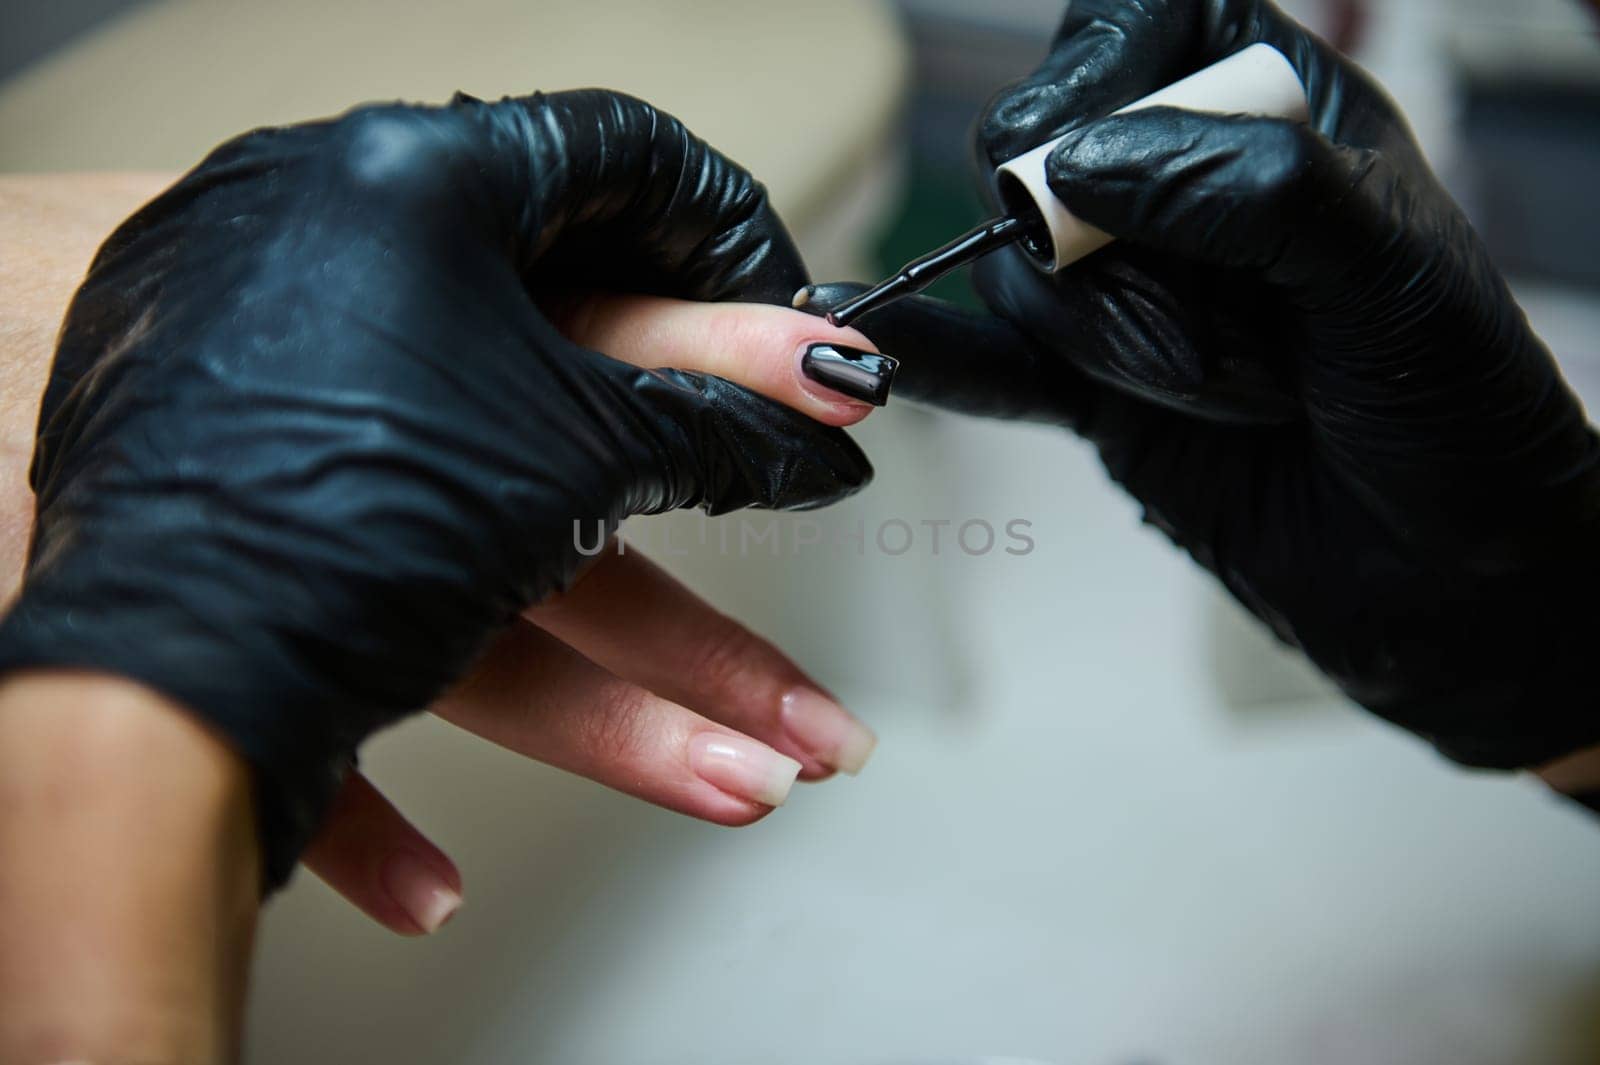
<point x="1257" y="80"/>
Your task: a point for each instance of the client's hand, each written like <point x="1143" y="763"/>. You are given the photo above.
<point x="126" y="914"/>
<point x="634" y="637"/>
<point x="629" y="679"/>
<point x="311" y="443"/>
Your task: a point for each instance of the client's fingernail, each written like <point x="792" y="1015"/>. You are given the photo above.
<point x="827" y="730"/>
<point x="743" y="767"/>
<point x="422" y="893"/>
<point x="862" y="375"/>
<point x="802" y="296"/>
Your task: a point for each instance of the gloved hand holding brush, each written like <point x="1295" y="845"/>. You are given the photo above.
<point x="1299" y="357"/>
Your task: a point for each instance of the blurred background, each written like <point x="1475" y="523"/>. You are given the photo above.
<point x="1108" y="820"/>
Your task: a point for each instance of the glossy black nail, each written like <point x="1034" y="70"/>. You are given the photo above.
<point x="863" y="375"/>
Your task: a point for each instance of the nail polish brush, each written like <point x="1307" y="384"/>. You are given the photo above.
<point x="919" y="273"/>
<point x="1257" y="80"/>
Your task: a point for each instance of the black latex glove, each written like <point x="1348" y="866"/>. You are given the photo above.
<point x="308" y="441"/>
<point x="1301" y="361"/>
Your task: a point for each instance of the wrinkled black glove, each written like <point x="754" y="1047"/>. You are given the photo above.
<point x="1301" y="361"/>
<point x="308" y="441"/>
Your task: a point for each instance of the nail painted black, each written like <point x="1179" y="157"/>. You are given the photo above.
<point x="863" y="375"/>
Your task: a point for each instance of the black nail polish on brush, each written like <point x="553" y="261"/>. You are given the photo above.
<point x="863" y="375"/>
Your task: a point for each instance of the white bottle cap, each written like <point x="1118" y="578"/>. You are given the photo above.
<point x="1257" y="81"/>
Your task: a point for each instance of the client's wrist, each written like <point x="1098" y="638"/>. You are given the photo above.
<point x="131" y="875"/>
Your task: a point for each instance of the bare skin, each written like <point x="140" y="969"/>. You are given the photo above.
<point x="128" y="898"/>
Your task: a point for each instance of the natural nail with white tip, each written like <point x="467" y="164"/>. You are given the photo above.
<point x="828" y="731"/>
<point x="421" y="892"/>
<point x="743" y="767"/>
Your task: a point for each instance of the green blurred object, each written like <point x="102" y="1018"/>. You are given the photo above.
<point x="939" y="205"/>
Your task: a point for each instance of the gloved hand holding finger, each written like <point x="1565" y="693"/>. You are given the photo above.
<point x="771" y="350"/>
<point x="309" y="444"/>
